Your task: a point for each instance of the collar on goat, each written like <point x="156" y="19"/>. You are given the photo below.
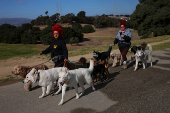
<point x="27" y="79"/>
<point x="38" y="76"/>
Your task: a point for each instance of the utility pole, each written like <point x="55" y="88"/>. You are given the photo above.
<point x="119" y="10"/>
<point x="114" y="9"/>
<point x="60" y="10"/>
<point x="57" y="8"/>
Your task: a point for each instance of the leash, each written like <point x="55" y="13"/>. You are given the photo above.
<point x="48" y="61"/>
<point x="41" y="63"/>
<point x="74" y="64"/>
<point x="61" y="63"/>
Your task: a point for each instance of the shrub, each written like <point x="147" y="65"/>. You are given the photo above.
<point x="77" y="27"/>
<point x="68" y="33"/>
<point x="6" y="32"/>
<point x="88" y="29"/>
<point x="46" y="38"/>
<point x="26" y="38"/>
<point x="74" y="40"/>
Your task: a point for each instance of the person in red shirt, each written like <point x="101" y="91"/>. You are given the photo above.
<point x="57" y="48"/>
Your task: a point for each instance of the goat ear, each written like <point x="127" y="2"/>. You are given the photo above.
<point x="66" y="71"/>
<point x="35" y="71"/>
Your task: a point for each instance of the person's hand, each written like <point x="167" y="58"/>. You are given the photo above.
<point x="122" y="36"/>
<point x="113" y="44"/>
<point x="65" y="60"/>
<point x="40" y="53"/>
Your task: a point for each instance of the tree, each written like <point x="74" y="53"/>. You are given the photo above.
<point x="88" y="29"/>
<point x="69" y="18"/>
<point x="55" y="18"/>
<point x="98" y="22"/>
<point x="46" y="36"/>
<point x="74" y="40"/>
<point x="151" y="16"/>
<point x="46" y="13"/>
<point x="69" y="33"/>
<point x="6" y="33"/>
<point x="26" y="38"/>
<point x="105" y="21"/>
<point x="81" y="15"/>
<point x="26" y="27"/>
<point x="77" y="27"/>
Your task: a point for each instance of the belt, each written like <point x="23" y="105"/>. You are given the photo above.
<point x="124" y="42"/>
<point x="57" y="58"/>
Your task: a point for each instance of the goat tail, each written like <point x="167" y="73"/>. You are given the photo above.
<point x="150" y="47"/>
<point x="110" y="48"/>
<point x="91" y="67"/>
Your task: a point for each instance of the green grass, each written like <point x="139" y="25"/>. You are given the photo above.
<point x="87" y="50"/>
<point x="74" y="52"/>
<point x="151" y="40"/>
<point x="8" y="77"/>
<point x="161" y="46"/>
<point x="20" y="50"/>
<point x="15" y="50"/>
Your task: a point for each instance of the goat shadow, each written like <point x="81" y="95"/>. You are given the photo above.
<point x="35" y="87"/>
<point x="141" y="65"/>
<point x="97" y="85"/>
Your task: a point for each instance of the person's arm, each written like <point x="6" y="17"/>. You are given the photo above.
<point x="47" y="50"/>
<point x="116" y="40"/>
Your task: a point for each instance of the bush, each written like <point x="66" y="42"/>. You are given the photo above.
<point x="68" y="33"/>
<point x="46" y="38"/>
<point x="167" y="29"/>
<point x="36" y="32"/>
<point x="6" y="33"/>
<point x="88" y="29"/>
<point x="74" y="40"/>
<point x="77" y="27"/>
<point x="151" y="16"/>
<point x="26" y="38"/>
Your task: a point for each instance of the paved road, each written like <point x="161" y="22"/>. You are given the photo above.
<point x="126" y="91"/>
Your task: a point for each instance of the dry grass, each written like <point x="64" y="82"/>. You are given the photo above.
<point x="42" y="26"/>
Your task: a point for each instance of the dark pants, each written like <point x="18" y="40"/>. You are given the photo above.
<point x="124" y="53"/>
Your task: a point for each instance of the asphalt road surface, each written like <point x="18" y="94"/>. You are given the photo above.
<point x="143" y="91"/>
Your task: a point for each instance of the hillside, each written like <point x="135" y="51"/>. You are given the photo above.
<point x="14" y="21"/>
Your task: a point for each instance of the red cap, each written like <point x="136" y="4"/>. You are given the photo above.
<point x="123" y="23"/>
<point x="57" y="28"/>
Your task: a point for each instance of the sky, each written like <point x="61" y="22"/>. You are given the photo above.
<point x="33" y="8"/>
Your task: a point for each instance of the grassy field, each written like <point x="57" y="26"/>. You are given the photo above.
<point x="26" y="51"/>
<point x="14" y="50"/>
<point x="21" y="50"/>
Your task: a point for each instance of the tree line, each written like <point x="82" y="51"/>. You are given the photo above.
<point x="150" y="16"/>
<point x="27" y="34"/>
<point x="97" y="21"/>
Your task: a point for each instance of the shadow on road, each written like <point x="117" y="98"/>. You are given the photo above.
<point x="36" y="87"/>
